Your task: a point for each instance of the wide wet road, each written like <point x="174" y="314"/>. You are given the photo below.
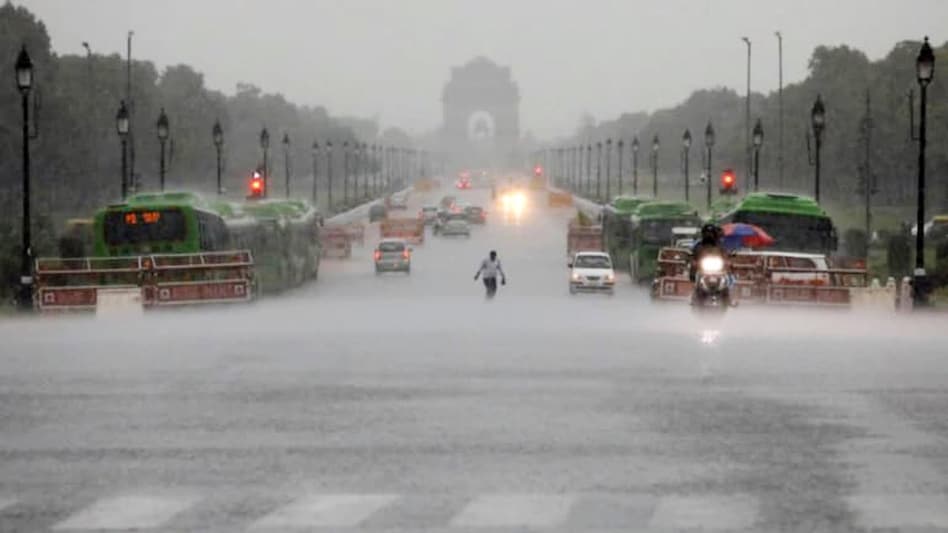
<point x="396" y="403"/>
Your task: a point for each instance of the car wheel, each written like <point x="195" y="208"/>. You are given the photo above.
<point x="572" y="290"/>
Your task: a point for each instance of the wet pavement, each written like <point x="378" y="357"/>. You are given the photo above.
<point x="411" y="403"/>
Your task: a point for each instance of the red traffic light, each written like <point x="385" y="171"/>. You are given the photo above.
<point x="256" y="186"/>
<point x="538" y="170"/>
<point x="728" y="182"/>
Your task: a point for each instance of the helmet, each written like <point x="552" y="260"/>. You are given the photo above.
<point x="493" y="254"/>
<point x="709" y="232"/>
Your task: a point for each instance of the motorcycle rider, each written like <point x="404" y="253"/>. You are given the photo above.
<point x="489" y="268"/>
<point x="710" y="243"/>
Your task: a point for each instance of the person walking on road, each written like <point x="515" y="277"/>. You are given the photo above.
<point x="489" y="269"/>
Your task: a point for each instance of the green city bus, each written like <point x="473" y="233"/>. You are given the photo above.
<point x="617" y="229"/>
<point x="652" y="225"/>
<point x="282" y="235"/>
<point x="797" y="223"/>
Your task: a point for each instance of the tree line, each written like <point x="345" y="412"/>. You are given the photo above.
<point x="76" y="155"/>
<point x="846" y="80"/>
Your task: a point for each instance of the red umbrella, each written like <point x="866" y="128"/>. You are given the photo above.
<point x="740" y="235"/>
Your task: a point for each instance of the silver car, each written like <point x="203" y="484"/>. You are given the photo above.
<point x="455" y="226"/>
<point x="392" y="255"/>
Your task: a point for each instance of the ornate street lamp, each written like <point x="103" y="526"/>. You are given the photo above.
<point x="758" y="139"/>
<point x="121" y="127"/>
<point x="217" y="133"/>
<point x="162" y="126"/>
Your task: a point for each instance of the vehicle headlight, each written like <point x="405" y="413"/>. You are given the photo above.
<point x="576" y="277"/>
<point x="610" y="277"/>
<point x="712" y="264"/>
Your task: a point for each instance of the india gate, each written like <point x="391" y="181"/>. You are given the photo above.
<point x="481" y="106"/>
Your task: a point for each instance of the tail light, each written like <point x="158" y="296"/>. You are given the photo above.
<point x="405" y="254"/>
<point x="378" y="255"/>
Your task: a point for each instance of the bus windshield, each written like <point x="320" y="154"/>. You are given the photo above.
<point x="144" y="225"/>
<point x="803" y="233"/>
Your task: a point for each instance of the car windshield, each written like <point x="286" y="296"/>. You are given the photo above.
<point x="276" y="314"/>
<point x="391" y="246"/>
<point x="592" y="261"/>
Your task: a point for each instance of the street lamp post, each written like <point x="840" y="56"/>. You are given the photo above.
<point x="685" y="153"/>
<point x="345" y="173"/>
<point x="608" y="169"/>
<point x="286" y="161"/>
<point x="621" y="144"/>
<point x="265" y="146"/>
<point x="364" y="164"/>
<point x="589" y="157"/>
<point x="924" y="71"/>
<point x="162" y="125"/>
<point x="708" y="144"/>
<point x="780" y="108"/>
<point x="217" y="133"/>
<point x="315" y="173"/>
<point x="655" y="145"/>
<point x="24" y="82"/>
<point x="758" y="139"/>
<point x="329" y="168"/>
<point x="635" y="165"/>
<point x="747" y="108"/>
<point x="599" y="171"/>
<point x="818" y="122"/>
<point x="121" y="127"/>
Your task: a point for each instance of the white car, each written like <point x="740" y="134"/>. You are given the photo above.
<point x="591" y="271"/>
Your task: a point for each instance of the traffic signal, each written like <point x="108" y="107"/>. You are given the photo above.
<point x="257" y="186"/>
<point x="538" y="171"/>
<point x="728" y="182"/>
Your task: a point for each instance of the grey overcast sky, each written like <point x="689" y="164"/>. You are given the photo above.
<point x="390" y="58"/>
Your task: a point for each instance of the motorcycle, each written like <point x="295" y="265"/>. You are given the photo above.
<point x="712" y="284"/>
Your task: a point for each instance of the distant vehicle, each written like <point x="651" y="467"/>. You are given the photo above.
<point x="454" y="225"/>
<point x="392" y="255"/>
<point x="398" y="201"/>
<point x="428" y="213"/>
<point x="448" y="202"/>
<point x="464" y="183"/>
<point x="591" y="271"/>
<point x="475" y="214"/>
<point x="377" y="212"/>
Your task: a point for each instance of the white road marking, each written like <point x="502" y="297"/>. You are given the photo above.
<point x="6" y="502"/>
<point x="900" y="511"/>
<point x="127" y="512"/>
<point x="326" y="510"/>
<point x="704" y="512"/>
<point x="515" y="510"/>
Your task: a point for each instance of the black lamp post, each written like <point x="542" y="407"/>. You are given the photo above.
<point x="162" y="125"/>
<point x="708" y="145"/>
<point x="364" y="162"/>
<point x="655" y="145"/>
<point x="635" y="165"/>
<point x="621" y="144"/>
<point x="286" y="161"/>
<point x="121" y="127"/>
<point x="924" y="71"/>
<point x="608" y="170"/>
<point x="758" y="139"/>
<point x="329" y="169"/>
<point x="686" y="156"/>
<point x="818" y="121"/>
<point x="24" y="82"/>
<point x="265" y="146"/>
<point x="345" y="173"/>
<point x="218" y="134"/>
<point x="315" y="172"/>
<point x="598" y="171"/>
<point x="589" y="156"/>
